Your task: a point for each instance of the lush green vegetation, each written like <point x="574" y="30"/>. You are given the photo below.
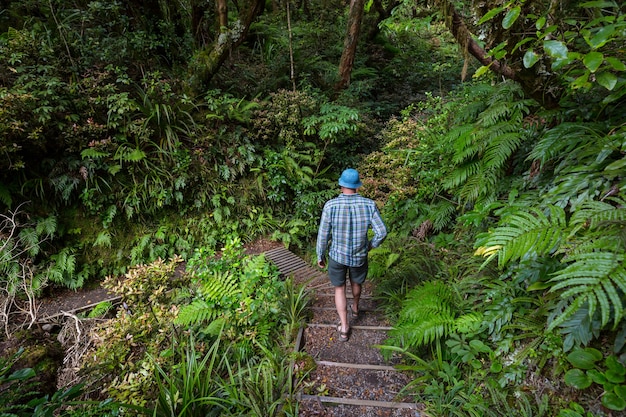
<point x="133" y="142"/>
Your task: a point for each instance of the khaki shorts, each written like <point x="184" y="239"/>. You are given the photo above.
<point x="337" y="273"/>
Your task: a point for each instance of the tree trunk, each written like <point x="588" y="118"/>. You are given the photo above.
<point x="222" y="13"/>
<point x="533" y="85"/>
<point x="349" y="47"/>
<point x="208" y="60"/>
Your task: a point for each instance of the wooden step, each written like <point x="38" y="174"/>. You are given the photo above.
<point x="356" y="365"/>
<point x="358" y="402"/>
<point x="355" y="327"/>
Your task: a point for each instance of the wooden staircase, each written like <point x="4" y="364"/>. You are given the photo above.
<point x="351" y="378"/>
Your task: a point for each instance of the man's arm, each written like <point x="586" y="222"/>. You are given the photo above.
<point x="323" y="236"/>
<point x="379" y="228"/>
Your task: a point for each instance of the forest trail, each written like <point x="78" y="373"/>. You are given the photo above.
<point x="351" y="378"/>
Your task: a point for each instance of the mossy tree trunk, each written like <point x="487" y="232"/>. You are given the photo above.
<point x="350" y="43"/>
<point x="230" y="34"/>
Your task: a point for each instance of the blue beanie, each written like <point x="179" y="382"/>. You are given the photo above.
<point x="350" y="179"/>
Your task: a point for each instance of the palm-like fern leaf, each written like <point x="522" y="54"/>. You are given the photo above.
<point x="525" y="233"/>
<point x="564" y="139"/>
<point x="199" y="311"/>
<point x="483" y="147"/>
<point x="596" y="213"/>
<point x="596" y="278"/>
<point x="220" y="285"/>
<point x="431" y="312"/>
<point x="218" y="288"/>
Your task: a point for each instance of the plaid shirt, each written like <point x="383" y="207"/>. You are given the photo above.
<point x="347" y="218"/>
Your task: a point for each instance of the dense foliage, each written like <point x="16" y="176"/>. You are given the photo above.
<point x="135" y="132"/>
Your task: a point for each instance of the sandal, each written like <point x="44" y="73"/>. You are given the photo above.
<point x="354" y="314"/>
<point x="343" y="336"/>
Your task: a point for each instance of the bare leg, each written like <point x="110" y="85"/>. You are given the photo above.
<point x="342" y="306"/>
<point x="356" y="296"/>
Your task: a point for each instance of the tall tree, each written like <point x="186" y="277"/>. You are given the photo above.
<point x="350" y="43"/>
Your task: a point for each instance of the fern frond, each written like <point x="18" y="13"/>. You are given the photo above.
<point x="526" y="233"/>
<point x="500" y="150"/>
<point x="598" y="213"/>
<point x="563" y="139"/>
<point x="219" y="286"/>
<point x="428" y="314"/>
<point x="442" y="215"/>
<point x="460" y="174"/>
<point x="199" y="311"/>
<point x="596" y="278"/>
<point x="47" y="227"/>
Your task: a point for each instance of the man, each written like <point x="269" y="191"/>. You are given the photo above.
<point x="345" y="223"/>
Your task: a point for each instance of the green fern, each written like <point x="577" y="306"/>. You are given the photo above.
<point x="524" y="234"/>
<point x="590" y="250"/>
<point x="597" y="279"/>
<point x="199" y="311"/>
<point x="216" y="293"/>
<point x="483" y="146"/>
<point x="220" y="286"/>
<point x="432" y="312"/>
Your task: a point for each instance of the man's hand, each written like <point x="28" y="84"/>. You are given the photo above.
<point x="321" y="264"/>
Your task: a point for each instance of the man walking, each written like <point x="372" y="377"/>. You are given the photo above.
<point x="344" y="224"/>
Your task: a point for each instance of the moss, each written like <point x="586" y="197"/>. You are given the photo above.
<point x="44" y="355"/>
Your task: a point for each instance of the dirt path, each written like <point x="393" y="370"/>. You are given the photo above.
<point x="351" y="378"/>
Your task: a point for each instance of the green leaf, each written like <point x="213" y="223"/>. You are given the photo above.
<point x="577" y="379"/>
<point x="556" y="49"/>
<point x="490" y="14"/>
<point x="93" y="153"/>
<point x="611" y="401"/>
<point x="541" y="22"/>
<point x="582" y="81"/>
<point x="601" y="4"/>
<point x="21" y="374"/>
<point x="620" y="390"/>
<point x="602" y="37"/>
<point x="619" y="164"/>
<point x="615" y="63"/>
<point x="597" y="377"/>
<point x="479" y="346"/>
<point x="530" y="58"/>
<point x="496" y="367"/>
<point x="614" y="377"/>
<point x="538" y="286"/>
<point x="584" y="358"/>
<point x="136" y="155"/>
<point x="614" y="365"/>
<point x="114" y="169"/>
<point x="593" y="60"/>
<point x="480" y="71"/>
<point x="511" y="17"/>
<point x="607" y="80"/>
